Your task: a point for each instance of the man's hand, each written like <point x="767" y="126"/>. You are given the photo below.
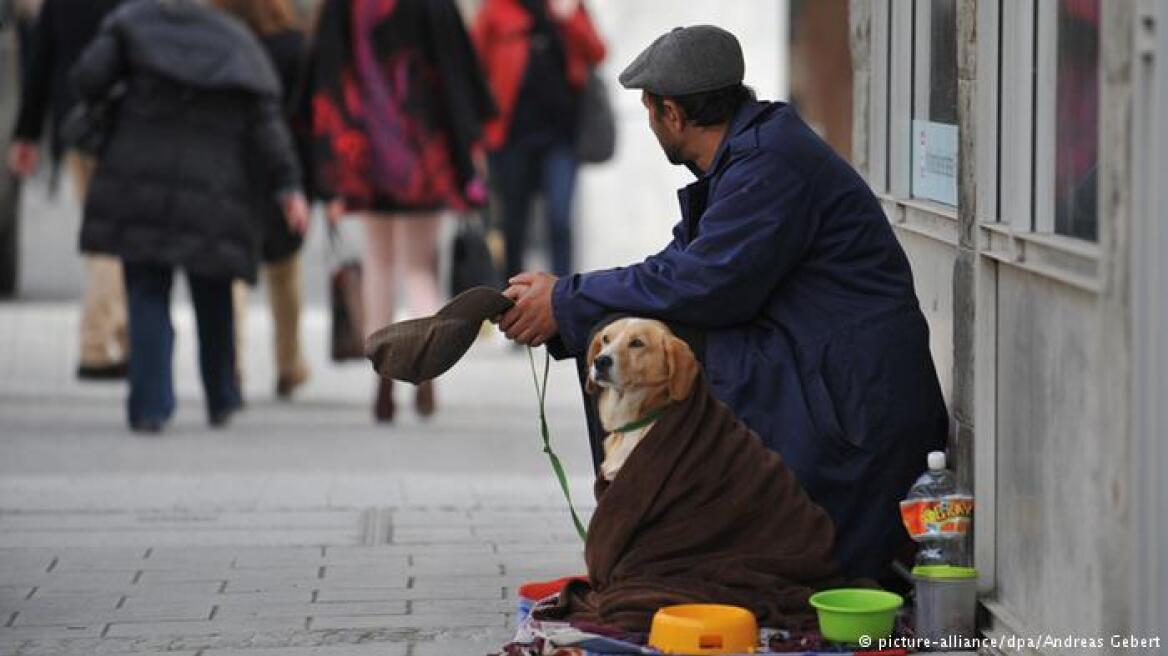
<point x="334" y="210"/>
<point x="23" y="158"/>
<point x="531" y="321"/>
<point x="295" y="208"/>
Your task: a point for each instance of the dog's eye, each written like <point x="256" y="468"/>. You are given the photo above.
<point x="604" y="339"/>
<point x="636" y="343"/>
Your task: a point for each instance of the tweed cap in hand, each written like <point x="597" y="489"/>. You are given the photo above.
<point x="687" y="60"/>
<point x="420" y="349"/>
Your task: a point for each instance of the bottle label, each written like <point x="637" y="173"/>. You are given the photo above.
<point x="949" y="516"/>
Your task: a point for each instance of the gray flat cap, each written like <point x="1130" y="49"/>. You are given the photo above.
<point x="687" y="60"/>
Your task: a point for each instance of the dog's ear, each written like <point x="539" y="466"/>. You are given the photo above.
<point x="681" y="368"/>
<point x="593" y="350"/>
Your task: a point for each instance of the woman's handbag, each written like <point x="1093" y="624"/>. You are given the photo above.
<point x="87" y="125"/>
<point x="471" y="263"/>
<point x="347" y="338"/>
<point x="595" y="122"/>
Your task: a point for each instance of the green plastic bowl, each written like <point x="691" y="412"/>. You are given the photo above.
<point x="847" y="614"/>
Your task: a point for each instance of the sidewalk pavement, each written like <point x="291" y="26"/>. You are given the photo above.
<point x="303" y="528"/>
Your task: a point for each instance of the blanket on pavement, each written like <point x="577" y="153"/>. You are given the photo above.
<point x="701" y="512"/>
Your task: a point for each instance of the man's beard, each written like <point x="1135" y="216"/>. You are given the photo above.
<point x="673" y="154"/>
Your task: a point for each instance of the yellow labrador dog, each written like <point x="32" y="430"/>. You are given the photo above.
<point x="638" y="367"/>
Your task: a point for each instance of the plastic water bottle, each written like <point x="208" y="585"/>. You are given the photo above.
<point x="938" y="515"/>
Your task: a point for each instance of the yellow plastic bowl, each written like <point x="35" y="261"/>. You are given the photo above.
<point x="704" y="629"/>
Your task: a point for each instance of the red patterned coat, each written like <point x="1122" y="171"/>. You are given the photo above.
<point x="397" y="102"/>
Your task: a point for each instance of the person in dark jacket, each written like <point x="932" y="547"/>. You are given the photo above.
<point x="537" y="55"/>
<point x="62" y="29"/>
<point x="173" y="187"/>
<point x="786" y="276"/>
<point x="274" y="23"/>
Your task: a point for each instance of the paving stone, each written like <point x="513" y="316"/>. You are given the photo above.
<point x="564" y="533"/>
<point x="205" y="628"/>
<point x="21" y="561"/>
<point x="333" y="595"/>
<point x="504" y="547"/>
<point x="167" y="576"/>
<point x="358" y="554"/>
<point x="292" y="596"/>
<point x="438" y="560"/>
<point x="71" y="582"/>
<point x="327" y="595"/>
<point x="458" y="607"/>
<point x="356" y="581"/>
<point x="457" y="567"/>
<point x="417" y="622"/>
<point x="65" y="604"/>
<point x="201" y="554"/>
<point x="149" y="652"/>
<point x="365" y="572"/>
<point x="433" y="534"/>
<point x="486" y="645"/>
<point x="430" y="518"/>
<point x="249" y="610"/>
<point x="168" y="590"/>
<point x="9" y="634"/>
<point x="136" y="609"/>
<point x="14" y="593"/>
<point x="142" y="613"/>
<point x="275" y="574"/>
<point x="362" y="649"/>
<point x="272" y="587"/>
<point x="456" y="580"/>
<point x="245" y="577"/>
<point x="260" y="560"/>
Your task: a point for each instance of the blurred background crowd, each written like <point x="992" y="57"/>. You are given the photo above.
<point x="440" y="141"/>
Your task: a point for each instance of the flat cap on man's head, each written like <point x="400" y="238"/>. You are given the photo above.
<point x="687" y="60"/>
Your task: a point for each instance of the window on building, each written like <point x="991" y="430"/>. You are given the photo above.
<point x="1076" y="160"/>
<point x="934" y="106"/>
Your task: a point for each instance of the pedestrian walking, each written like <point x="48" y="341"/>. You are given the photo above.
<point x="173" y="188"/>
<point x="537" y="54"/>
<point x="398" y="104"/>
<point x="62" y="29"/>
<point x="274" y="23"/>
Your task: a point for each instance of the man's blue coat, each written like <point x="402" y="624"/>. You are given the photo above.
<point x="785" y="263"/>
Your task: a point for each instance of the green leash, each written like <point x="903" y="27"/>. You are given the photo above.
<point x="541" y="393"/>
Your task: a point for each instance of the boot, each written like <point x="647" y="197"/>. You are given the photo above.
<point x="383" y="407"/>
<point x="424" y="401"/>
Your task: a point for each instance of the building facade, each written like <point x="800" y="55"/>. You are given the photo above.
<point x="1018" y="148"/>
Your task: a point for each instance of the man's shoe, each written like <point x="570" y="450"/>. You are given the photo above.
<point x="221" y="418"/>
<point x="115" y="371"/>
<point x="148" y="426"/>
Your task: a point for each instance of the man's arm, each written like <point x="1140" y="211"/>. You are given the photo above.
<point x="35" y="96"/>
<point x="23" y="154"/>
<point x="749" y="238"/>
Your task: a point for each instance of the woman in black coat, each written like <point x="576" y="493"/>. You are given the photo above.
<point x="173" y="188"/>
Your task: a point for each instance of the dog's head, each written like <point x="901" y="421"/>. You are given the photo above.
<point x="640" y="353"/>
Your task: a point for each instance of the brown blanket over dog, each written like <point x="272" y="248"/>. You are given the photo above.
<point x="701" y="512"/>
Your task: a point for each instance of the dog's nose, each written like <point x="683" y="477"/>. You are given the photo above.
<point x="602" y="362"/>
